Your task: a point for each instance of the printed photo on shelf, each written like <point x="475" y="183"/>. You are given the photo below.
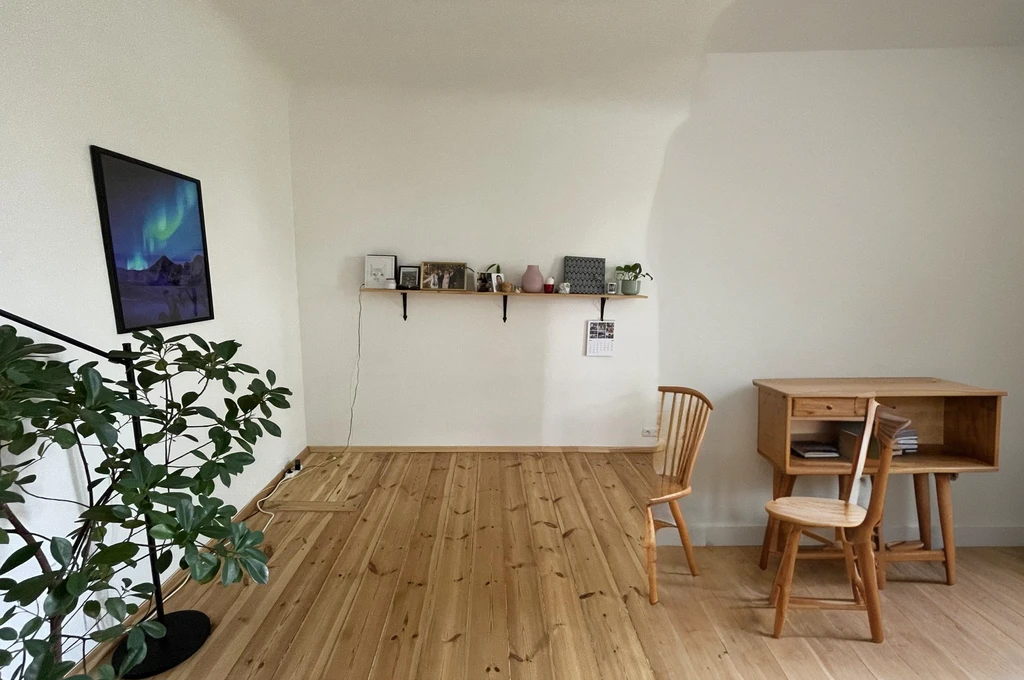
<point x="485" y="282"/>
<point x="154" y="237"/>
<point x="612" y="288"/>
<point x="408" y="277"/>
<point x="378" y="269"/>
<point x="443" y="276"/>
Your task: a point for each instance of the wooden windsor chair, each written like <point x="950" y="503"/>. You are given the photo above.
<point x="679" y="439"/>
<point x="854" y="525"/>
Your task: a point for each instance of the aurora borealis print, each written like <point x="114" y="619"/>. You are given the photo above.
<point x="156" y="248"/>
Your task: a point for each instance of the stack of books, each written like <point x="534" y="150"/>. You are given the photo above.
<point x="906" y="442"/>
<point x="849" y="439"/>
<point x="811" y="449"/>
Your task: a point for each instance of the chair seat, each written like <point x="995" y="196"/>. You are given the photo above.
<point x="816" y="512"/>
<point x="662" y="489"/>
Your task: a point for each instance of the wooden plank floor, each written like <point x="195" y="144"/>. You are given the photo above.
<point x="508" y="565"/>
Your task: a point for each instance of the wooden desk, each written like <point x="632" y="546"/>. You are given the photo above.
<point x="958" y="431"/>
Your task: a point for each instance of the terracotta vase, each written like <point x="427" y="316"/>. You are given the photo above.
<point x="533" y="280"/>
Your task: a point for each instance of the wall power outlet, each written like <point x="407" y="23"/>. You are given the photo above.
<point x="649" y="432"/>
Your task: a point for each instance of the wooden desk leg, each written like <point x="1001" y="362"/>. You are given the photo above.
<point x="945" y="501"/>
<point x="924" y="509"/>
<point x="782" y="485"/>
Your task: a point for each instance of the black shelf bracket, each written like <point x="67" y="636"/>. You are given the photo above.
<point x="405" y="306"/>
<point x="504" y="309"/>
<point x="603" y="300"/>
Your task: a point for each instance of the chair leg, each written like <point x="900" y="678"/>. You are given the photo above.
<point x="880" y="559"/>
<point x="684" y="535"/>
<point x="773" y="596"/>
<point x="851" y="570"/>
<point x="766" y="545"/>
<point x="651" y="552"/>
<point x="866" y="562"/>
<point x="786" y="577"/>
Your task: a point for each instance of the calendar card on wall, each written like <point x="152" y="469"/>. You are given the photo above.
<point x="600" y="338"/>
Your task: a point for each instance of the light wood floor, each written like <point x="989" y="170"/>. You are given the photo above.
<point x="451" y="566"/>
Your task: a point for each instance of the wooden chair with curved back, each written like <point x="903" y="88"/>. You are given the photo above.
<point x="854" y="527"/>
<point x="679" y="439"/>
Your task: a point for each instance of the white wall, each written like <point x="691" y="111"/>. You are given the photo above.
<point x="845" y="213"/>
<point x="165" y="82"/>
<point x="477" y="180"/>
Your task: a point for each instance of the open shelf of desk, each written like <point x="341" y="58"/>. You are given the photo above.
<point x="928" y="458"/>
<point x="505" y="296"/>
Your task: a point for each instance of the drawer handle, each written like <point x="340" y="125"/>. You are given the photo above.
<point x="828" y="407"/>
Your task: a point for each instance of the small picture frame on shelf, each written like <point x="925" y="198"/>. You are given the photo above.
<point x="485" y="282"/>
<point x="408" y="277"/>
<point x="378" y="269"/>
<point x="611" y="287"/>
<point x="443" y="276"/>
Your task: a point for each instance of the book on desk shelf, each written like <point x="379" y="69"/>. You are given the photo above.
<point x="849" y="440"/>
<point x="814" y="449"/>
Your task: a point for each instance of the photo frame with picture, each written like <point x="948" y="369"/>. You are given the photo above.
<point x="489" y="282"/>
<point x="378" y="269"/>
<point x="443" y="276"/>
<point x="408" y="277"/>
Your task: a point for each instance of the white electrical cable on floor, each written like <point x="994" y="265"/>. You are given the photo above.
<point x="351" y="421"/>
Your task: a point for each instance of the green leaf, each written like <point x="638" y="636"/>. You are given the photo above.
<point x="11" y="497"/>
<point x="136" y="651"/>
<point x="231" y="572"/>
<point x="108" y="633"/>
<point x="92" y="609"/>
<point x="153" y="629"/>
<point x="114" y="554"/>
<point x="164" y="561"/>
<point x="31" y="627"/>
<point x="130" y="407"/>
<point x="271" y="377"/>
<point x="77" y="583"/>
<point x="65" y="438"/>
<point x="185" y="514"/>
<point x="62" y="550"/>
<point x="199" y="341"/>
<point x="115" y="606"/>
<point x="22" y="443"/>
<point x="105" y="432"/>
<point x="256" y="569"/>
<point x="8" y="634"/>
<point x="93" y="383"/>
<point x="271" y="427"/>
<point x="161" y="532"/>
<point x="229" y="385"/>
<point x="27" y="591"/>
<point x="225" y="350"/>
<point x="19" y="557"/>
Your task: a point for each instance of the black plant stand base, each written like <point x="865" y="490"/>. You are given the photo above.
<point x="186" y="633"/>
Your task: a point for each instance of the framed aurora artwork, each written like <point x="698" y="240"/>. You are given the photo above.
<point x="155" y="242"/>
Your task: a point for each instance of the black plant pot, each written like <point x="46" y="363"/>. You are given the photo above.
<point x="186" y="633"/>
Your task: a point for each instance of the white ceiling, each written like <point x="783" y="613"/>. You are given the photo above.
<point x="794" y="25"/>
<point x="627" y="48"/>
<point x="619" y="49"/>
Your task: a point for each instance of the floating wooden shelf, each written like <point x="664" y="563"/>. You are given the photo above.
<point x="505" y="296"/>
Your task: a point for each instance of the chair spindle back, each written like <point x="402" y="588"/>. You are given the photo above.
<point x="681" y="430"/>
<point x="862" y="450"/>
<point x="888" y="425"/>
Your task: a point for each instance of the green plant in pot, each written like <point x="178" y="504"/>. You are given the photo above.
<point x="150" y="454"/>
<point x="629" y="276"/>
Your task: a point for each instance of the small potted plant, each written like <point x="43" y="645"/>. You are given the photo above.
<point x="630" y="275"/>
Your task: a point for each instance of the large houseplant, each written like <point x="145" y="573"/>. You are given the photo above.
<point x="155" y="498"/>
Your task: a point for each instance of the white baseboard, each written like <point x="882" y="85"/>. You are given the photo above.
<point x="753" y="535"/>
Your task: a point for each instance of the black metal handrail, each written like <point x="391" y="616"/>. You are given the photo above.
<point x="133" y="389"/>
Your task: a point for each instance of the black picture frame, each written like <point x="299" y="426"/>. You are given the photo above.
<point x="410" y="267"/>
<point x="133" y="287"/>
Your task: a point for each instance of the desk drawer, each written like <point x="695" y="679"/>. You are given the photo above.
<point x="824" y="407"/>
